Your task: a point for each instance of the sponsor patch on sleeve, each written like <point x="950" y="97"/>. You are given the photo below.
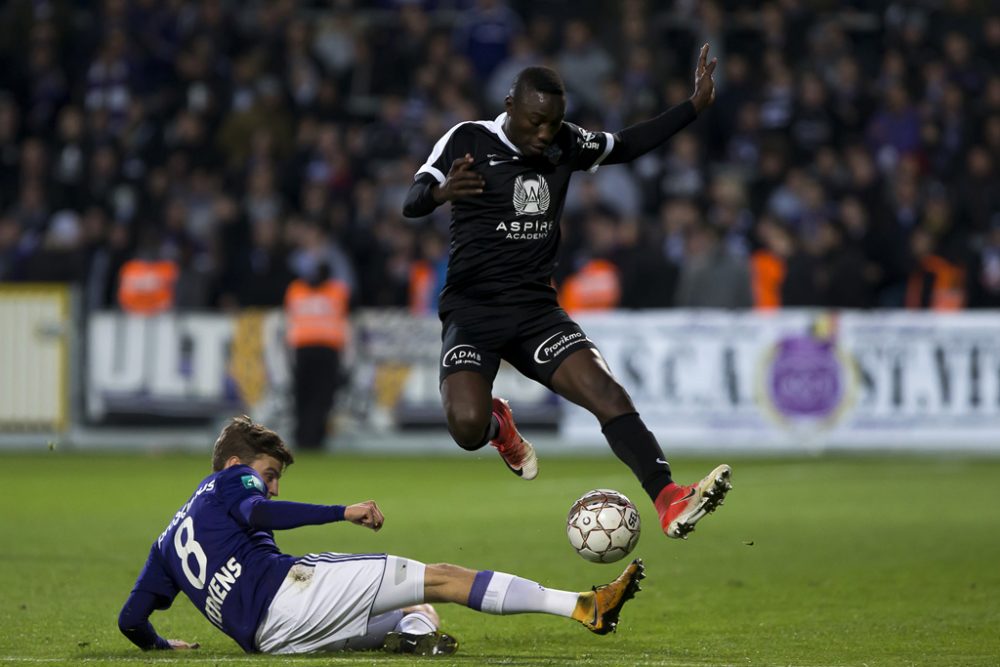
<point x="252" y="482"/>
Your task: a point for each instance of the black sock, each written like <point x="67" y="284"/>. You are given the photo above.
<point x="633" y="443"/>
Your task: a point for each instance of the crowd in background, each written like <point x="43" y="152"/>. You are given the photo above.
<point x="851" y="158"/>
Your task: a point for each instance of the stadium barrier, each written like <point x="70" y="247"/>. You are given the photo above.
<point x="34" y="358"/>
<point x="802" y="380"/>
<point x="787" y="381"/>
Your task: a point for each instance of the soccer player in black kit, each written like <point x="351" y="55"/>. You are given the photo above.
<point x="507" y="181"/>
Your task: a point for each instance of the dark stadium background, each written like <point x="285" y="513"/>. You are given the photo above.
<point x="853" y="143"/>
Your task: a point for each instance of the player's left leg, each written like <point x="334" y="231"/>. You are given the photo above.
<point x="413" y="630"/>
<point x="408" y="581"/>
<point x="500" y="593"/>
<point x="585" y="379"/>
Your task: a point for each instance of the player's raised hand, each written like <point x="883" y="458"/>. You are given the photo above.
<point x="704" y="84"/>
<point x="365" y="514"/>
<point x="461" y="182"/>
<point x="180" y="645"/>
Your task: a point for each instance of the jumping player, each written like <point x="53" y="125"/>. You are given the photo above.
<point x="507" y="181"/>
<point x="219" y="550"/>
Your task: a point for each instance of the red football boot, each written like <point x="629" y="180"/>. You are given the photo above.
<point x="681" y="507"/>
<point x="516" y="452"/>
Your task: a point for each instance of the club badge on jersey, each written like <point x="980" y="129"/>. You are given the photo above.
<point x="252" y="482"/>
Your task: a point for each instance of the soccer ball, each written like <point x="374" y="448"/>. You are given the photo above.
<point x="603" y="526"/>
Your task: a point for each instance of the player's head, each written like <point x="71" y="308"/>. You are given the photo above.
<point x="535" y="109"/>
<point x="244" y="442"/>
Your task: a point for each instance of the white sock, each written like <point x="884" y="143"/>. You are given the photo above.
<point x="507" y="594"/>
<point x="415" y="623"/>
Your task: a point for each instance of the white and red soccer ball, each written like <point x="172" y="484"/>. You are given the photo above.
<point x="603" y="526"/>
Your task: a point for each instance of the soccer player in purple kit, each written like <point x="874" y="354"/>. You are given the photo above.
<point x="506" y="180"/>
<point x="219" y="550"/>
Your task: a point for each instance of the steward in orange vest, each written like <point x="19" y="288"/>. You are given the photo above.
<point x="146" y="287"/>
<point x="934" y="282"/>
<point x="316" y="313"/>
<point x="595" y="286"/>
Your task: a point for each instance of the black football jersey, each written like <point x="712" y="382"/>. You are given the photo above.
<point x="504" y="241"/>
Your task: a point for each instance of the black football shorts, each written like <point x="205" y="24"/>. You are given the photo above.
<point x="533" y="340"/>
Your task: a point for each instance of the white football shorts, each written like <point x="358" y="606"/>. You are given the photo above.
<point x="329" y="599"/>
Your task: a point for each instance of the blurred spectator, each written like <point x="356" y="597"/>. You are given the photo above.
<point x="768" y="264"/>
<point x="648" y="276"/>
<point x="595" y="282"/>
<point x="427" y="274"/>
<point x="583" y="64"/>
<point x="934" y="282"/>
<point x="711" y="277"/>
<point x="483" y="35"/>
<point x="984" y="272"/>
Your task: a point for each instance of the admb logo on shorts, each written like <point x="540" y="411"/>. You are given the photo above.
<point x="462" y="355"/>
<point x="531" y="195"/>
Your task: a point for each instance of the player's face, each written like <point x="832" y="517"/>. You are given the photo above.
<point x="533" y="120"/>
<point x="270" y="470"/>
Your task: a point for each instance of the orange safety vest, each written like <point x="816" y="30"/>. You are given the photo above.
<point x="947" y="285"/>
<point x="767" y="273"/>
<point x="421" y="283"/>
<point x="316" y="316"/>
<point x="147" y="287"/>
<point x="596" y="286"/>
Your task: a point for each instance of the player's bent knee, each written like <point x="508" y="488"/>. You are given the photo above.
<point x="468" y="427"/>
<point x="427" y="610"/>
<point x="607" y="399"/>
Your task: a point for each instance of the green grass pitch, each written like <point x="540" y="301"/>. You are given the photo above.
<point x="812" y="561"/>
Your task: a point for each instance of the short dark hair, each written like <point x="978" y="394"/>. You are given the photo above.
<point x="244" y="438"/>
<point x="541" y="79"/>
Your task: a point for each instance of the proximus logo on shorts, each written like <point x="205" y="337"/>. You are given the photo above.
<point x="462" y="355"/>
<point x="556" y="344"/>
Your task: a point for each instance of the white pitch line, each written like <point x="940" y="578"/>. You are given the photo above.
<point x="335" y="658"/>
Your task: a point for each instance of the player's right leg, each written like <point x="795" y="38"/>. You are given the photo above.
<point x="475" y="419"/>
<point x="470" y="358"/>
<point x="499" y="593"/>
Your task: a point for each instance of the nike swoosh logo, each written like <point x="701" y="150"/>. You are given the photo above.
<point x="502" y="160"/>
<point x="689" y="495"/>
<point x="662" y="462"/>
<point x="516" y="471"/>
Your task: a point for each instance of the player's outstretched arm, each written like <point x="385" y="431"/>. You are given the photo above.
<point x="133" y="621"/>
<point x="639" y="139"/>
<point x="426" y="193"/>
<point x="260" y="512"/>
<point x="365" y="514"/>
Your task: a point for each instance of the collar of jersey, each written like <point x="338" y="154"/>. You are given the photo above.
<point x="498" y="130"/>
